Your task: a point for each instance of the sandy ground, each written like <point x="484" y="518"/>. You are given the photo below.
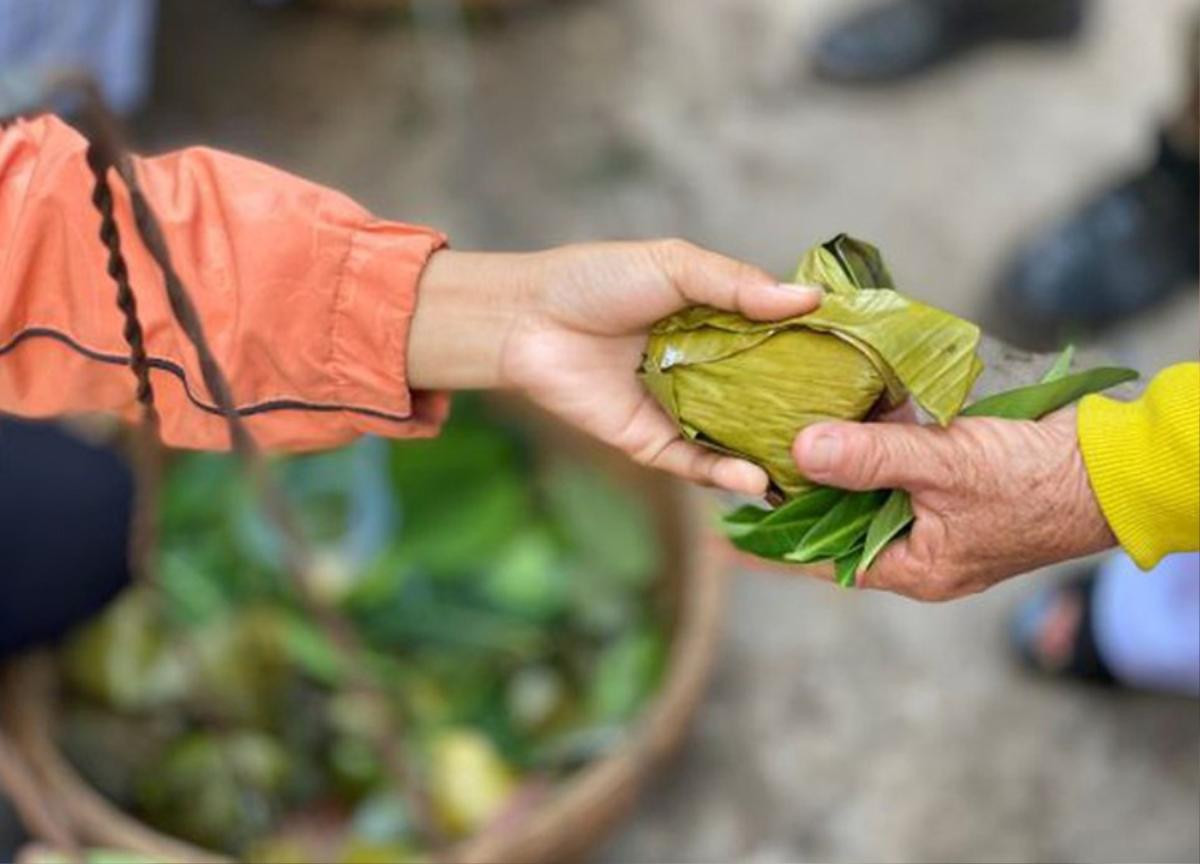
<point x="839" y="726"/>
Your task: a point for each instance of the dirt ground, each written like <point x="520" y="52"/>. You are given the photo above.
<point x="840" y="726"/>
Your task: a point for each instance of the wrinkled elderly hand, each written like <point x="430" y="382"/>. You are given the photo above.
<point x="992" y="498"/>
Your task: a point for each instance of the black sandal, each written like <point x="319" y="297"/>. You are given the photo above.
<point x="1082" y="662"/>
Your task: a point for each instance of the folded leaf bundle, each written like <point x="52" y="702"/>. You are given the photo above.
<point x="850" y="529"/>
<point x="748" y="387"/>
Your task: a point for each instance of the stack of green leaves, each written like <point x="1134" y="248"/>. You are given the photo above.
<point x="747" y="388"/>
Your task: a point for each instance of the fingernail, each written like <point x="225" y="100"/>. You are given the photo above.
<point x="809" y="291"/>
<point x="822" y="452"/>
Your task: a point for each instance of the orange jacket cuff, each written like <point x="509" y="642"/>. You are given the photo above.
<point x="372" y="315"/>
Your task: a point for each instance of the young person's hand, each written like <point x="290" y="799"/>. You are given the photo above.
<point x="568" y="327"/>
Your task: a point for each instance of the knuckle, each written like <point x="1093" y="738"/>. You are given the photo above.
<point x="935" y="590"/>
<point x="921" y="592"/>
<point x="674" y="258"/>
<point x="649" y="454"/>
<point x="699" y="465"/>
<point x="953" y="462"/>
<point x="971" y="456"/>
<point x="866" y="457"/>
<point x="876" y="578"/>
<point x="673" y="250"/>
<point x="938" y="597"/>
<point x="745" y="274"/>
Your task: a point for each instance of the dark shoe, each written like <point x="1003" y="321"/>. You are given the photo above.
<point x="1125" y="250"/>
<point x="904" y="37"/>
<point x="1052" y="632"/>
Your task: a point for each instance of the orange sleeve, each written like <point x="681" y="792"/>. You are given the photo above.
<point x="305" y="297"/>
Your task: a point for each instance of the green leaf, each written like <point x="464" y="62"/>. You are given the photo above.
<point x="810" y="504"/>
<point x="600" y="523"/>
<point x="930" y="352"/>
<point x="846" y="568"/>
<point x="821" y="265"/>
<point x="774" y="540"/>
<point x="841" y="529"/>
<point x="491" y="510"/>
<point x="310" y="648"/>
<point x="1038" y="400"/>
<point x="861" y="262"/>
<point x="625" y="675"/>
<point x="1061" y="366"/>
<point x="528" y="579"/>
<point x="743" y="520"/>
<point x="893" y="517"/>
<point x="779" y="531"/>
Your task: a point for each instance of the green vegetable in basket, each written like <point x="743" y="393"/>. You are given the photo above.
<point x="123" y="659"/>
<point x="219" y="789"/>
<point x="747" y="387"/>
<point x="510" y="626"/>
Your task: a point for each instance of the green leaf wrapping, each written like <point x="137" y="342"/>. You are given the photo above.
<point x="861" y="262"/>
<point x="931" y="353"/>
<point x="747" y="387"/>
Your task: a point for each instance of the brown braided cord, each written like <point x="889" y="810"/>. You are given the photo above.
<point x="105" y="150"/>
<point x="148" y="454"/>
<point x="110" y="236"/>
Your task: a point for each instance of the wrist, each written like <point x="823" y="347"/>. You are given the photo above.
<point x="1090" y="529"/>
<point x="468" y="307"/>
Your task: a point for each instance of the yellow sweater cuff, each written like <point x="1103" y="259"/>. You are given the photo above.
<point x="1143" y="459"/>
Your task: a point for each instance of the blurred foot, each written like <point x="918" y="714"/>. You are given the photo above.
<point x="1128" y="248"/>
<point x="1052" y="632"/>
<point x="903" y="37"/>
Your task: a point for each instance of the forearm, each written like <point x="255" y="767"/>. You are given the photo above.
<point x="1086" y="531"/>
<point x="468" y="307"/>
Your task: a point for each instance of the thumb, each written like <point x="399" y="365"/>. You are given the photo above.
<point x="872" y="455"/>
<point x="711" y="279"/>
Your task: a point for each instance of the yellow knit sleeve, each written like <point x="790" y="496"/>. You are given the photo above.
<point x="1143" y="459"/>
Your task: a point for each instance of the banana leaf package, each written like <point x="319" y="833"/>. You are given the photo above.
<point x="747" y="388"/>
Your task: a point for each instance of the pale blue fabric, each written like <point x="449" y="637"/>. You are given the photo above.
<point x="1147" y="625"/>
<point x="112" y="40"/>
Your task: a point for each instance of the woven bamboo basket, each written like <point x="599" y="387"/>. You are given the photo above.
<point x="59" y="806"/>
